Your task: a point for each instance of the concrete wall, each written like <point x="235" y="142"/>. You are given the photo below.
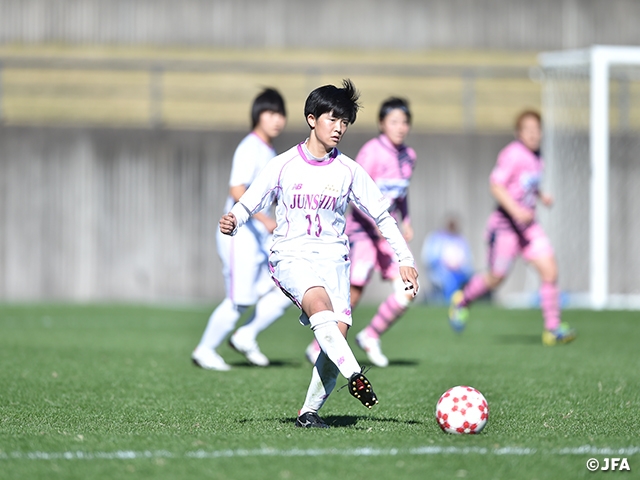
<point x="367" y="24"/>
<point x="103" y="214"/>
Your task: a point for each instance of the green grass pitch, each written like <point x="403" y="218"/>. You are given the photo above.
<point x="94" y="392"/>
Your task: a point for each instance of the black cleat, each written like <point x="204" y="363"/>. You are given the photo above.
<point x="310" y="420"/>
<point x="360" y="388"/>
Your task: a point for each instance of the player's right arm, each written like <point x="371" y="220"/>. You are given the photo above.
<point x="506" y="201"/>
<point x="259" y="195"/>
<point x="236" y="192"/>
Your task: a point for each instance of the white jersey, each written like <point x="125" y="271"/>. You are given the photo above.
<point x="244" y="257"/>
<point x="311" y="200"/>
<point x="251" y="156"/>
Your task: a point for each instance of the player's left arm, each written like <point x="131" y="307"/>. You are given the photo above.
<point x="367" y="196"/>
<point x="390" y="231"/>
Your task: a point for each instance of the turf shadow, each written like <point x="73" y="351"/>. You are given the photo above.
<point x="518" y="339"/>
<point x="394" y="363"/>
<point x="351" y="421"/>
<point x="272" y="364"/>
<point x="403" y="362"/>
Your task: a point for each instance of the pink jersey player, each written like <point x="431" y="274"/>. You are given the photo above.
<point x="390" y="163"/>
<point x="512" y="231"/>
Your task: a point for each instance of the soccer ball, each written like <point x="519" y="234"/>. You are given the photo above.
<point x="461" y="410"/>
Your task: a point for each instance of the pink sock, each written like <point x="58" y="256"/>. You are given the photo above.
<point x="550" y="305"/>
<point x="475" y="289"/>
<point x="388" y="312"/>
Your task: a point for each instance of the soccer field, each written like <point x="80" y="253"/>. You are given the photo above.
<point x="110" y="392"/>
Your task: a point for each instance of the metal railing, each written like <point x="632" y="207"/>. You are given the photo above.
<point x="152" y="93"/>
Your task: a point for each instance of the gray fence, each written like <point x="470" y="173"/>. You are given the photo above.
<point x="104" y="214"/>
<point x="368" y="24"/>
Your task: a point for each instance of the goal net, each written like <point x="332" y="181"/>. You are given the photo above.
<point x="591" y="146"/>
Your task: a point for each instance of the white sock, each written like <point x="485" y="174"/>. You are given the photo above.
<point x="268" y="309"/>
<point x="221" y="322"/>
<point x="323" y="381"/>
<point x="333" y="344"/>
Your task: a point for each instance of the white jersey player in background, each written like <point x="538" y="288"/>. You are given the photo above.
<point x="244" y="256"/>
<point x="312" y="185"/>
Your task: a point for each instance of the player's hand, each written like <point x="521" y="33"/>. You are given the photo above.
<point x="409" y="276"/>
<point x="228" y="223"/>
<point x="547" y="200"/>
<point x="523" y="216"/>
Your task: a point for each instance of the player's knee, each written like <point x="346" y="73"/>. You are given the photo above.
<point x="316" y="300"/>
<point x="548" y="269"/>
<point x="238" y="308"/>
<point x="242" y="308"/>
<point x="494" y="280"/>
<point x="550" y="276"/>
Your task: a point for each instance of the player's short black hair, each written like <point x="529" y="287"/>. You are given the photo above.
<point x="269" y="100"/>
<point x="391" y="104"/>
<point x="343" y="102"/>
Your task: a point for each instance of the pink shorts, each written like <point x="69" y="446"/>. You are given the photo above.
<point x="368" y="255"/>
<point x="505" y="245"/>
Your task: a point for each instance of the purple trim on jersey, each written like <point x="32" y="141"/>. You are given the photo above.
<point x="311" y="161"/>
<point x="257" y="209"/>
<point x="345" y="198"/>
<point x="359" y="206"/>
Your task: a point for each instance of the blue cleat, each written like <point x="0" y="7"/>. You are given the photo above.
<point x="562" y="334"/>
<point x="458" y="315"/>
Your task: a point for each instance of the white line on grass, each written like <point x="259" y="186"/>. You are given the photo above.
<point x="353" y="452"/>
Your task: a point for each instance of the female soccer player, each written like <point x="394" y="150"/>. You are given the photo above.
<point x="244" y="257"/>
<point x="390" y="163"/>
<point x="512" y="230"/>
<point x="312" y="185"/>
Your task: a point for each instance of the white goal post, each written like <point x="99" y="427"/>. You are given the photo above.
<point x="590" y="100"/>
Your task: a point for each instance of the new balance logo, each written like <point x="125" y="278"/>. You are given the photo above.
<point x="297" y="186"/>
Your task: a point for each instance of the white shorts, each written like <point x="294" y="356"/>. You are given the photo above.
<point x="245" y="264"/>
<point x="296" y="275"/>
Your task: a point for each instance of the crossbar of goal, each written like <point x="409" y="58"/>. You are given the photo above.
<point x="599" y="59"/>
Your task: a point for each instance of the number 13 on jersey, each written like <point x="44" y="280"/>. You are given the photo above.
<point x="314" y="224"/>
